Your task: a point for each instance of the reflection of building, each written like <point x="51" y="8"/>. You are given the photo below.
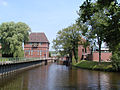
<point x="37" y="46"/>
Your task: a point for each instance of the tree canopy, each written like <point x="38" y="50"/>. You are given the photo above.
<point x="103" y="19"/>
<point x="12" y="35"/>
<point x="67" y="41"/>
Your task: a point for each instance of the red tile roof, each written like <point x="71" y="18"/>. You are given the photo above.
<point x="38" y="37"/>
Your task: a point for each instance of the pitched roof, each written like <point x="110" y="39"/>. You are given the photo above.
<point x="38" y="37"/>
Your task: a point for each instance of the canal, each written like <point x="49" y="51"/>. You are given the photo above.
<point x="60" y="77"/>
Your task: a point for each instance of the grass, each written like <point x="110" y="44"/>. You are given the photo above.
<point x="103" y="66"/>
<point x="4" y="59"/>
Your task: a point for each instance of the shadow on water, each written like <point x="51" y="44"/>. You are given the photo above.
<point x="61" y="77"/>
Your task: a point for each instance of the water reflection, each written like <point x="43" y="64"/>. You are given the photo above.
<point x="59" y="77"/>
<point x="14" y="82"/>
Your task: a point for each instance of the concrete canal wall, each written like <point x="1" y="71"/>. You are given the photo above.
<point x="13" y="67"/>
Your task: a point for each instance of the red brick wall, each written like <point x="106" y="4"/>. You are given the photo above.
<point x="105" y="56"/>
<point x="81" y="51"/>
<point x="39" y="51"/>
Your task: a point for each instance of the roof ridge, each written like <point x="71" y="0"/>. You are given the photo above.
<point x="38" y="37"/>
<point x="36" y="32"/>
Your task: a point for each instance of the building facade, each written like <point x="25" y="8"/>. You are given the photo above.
<point x="82" y="53"/>
<point x="37" y="46"/>
<point x="93" y="55"/>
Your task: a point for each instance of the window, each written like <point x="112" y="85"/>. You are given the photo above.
<point x="37" y="52"/>
<point x="83" y="50"/>
<point x="40" y="43"/>
<point x="28" y="52"/>
<point x="40" y="52"/>
<point x="30" y="43"/>
<point x="44" y="55"/>
<point x="31" y="52"/>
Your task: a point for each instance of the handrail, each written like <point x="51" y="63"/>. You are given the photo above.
<point x="4" y="60"/>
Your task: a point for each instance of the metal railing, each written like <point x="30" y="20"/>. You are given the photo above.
<point x="18" y="59"/>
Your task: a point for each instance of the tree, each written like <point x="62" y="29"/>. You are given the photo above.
<point x="66" y="42"/>
<point x="103" y="20"/>
<point x="50" y="54"/>
<point x="12" y="35"/>
<point x="85" y="45"/>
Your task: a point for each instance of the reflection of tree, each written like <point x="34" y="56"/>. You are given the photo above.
<point x="14" y="82"/>
<point x="72" y="78"/>
<point x="108" y="81"/>
<point x="114" y="80"/>
<point x="25" y="81"/>
<point x="99" y="79"/>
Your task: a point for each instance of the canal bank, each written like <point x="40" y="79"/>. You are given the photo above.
<point x="92" y="65"/>
<point x="60" y="77"/>
<point x="7" y="69"/>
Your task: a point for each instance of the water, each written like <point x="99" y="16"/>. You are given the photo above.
<point x="60" y="77"/>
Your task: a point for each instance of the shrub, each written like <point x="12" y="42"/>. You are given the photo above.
<point x="116" y="60"/>
<point x="73" y="61"/>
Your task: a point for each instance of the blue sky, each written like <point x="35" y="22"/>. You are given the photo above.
<point x="47" y="16"/>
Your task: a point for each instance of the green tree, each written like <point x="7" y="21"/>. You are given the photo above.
<point x="102" y="17"/>
<point x="12" y="35"/>
<point x="66" y="42"/>
<point x="50" y="53"/>
<point x="96" y="30"/>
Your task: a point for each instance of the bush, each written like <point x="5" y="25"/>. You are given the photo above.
<point x="73" y="61"/>
<point x="116" y="60"/>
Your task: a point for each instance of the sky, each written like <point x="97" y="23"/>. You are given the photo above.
<point x="48" y="16"/>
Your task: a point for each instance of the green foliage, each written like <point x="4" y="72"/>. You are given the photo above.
<point x="103" y="19"/>
<point x="116" y="60"/>
<point x="79" y="59"/>
<point x="86" y="64"/>
<point x="49" y="54"/>
<point x="85" y="45"/>
<point x="104" y="66"/>
<point x="12" y="35"/>
<point x="73" y="61"/>
<point x="116" y="57"/>
<point x="66" y="42"/>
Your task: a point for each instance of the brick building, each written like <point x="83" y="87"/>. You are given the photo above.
<point x="37" y="46"/>
<point x="89" y="54"/>
<point x="82" y="54"/>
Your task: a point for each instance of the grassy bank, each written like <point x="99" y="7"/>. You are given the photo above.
<point x="103" y="66"/>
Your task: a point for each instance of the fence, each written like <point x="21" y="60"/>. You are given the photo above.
<point x="18" y="59"/>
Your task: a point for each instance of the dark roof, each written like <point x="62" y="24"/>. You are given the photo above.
<point x="38" y="37"/>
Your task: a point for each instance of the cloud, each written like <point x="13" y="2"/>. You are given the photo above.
<point x="3" y="2"/>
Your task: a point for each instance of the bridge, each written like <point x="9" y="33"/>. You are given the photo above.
<point x="11" y="65"/>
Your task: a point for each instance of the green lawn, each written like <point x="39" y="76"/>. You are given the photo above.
<point x="103" y="66"/>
